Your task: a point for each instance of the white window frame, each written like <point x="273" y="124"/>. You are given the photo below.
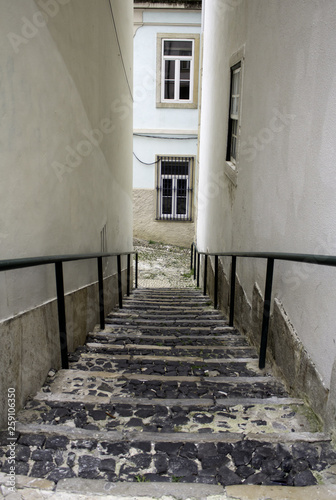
<point x="192" y="103"/>
<point x="177" y="81"/>
<point x="173" y="215"/>
<point x="231" y="165"/>
<point x="233" y="135"/>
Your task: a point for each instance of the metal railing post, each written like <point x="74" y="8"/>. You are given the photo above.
<point x="191" y="255"/>
<point x="128" y="274"/>
<point x="119" y="281"/>
<point x="233" y="289"/>
<point x="61" y="314"/>
<point x="216" y="283"/>
<point x="205" y="274"/>
<point x="266" y="313"/>
<point x="101" y="292"/>
<point x="136" y="269"/>
<point x="198" y="269"/>
<point x="195" y="266"/>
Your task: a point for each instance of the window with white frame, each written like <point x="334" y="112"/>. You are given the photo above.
<point x="174" y="188"/>
<point x="177" y="70"/>
<point x="233" y="130"/>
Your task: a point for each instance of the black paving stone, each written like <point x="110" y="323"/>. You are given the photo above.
<point x="169" y="448"/>
<point x="180" y="467"/>
<point x="88" y="467"/>
<point x="32" y="440"/>
<point x="22" y="453"/>
<point x="227" y="477"/>
<point x="60" y="473"/>
<point x="107" y="465"/>
<point x="41" y="469"/>
<point x="57" y="442"/>
<point x="42" y="456"/>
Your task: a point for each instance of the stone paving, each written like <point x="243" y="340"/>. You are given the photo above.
<point x="167" y="402"/>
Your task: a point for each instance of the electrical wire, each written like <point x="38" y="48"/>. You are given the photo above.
<point x="144" y="163"/>
<point x="121" y="55"/>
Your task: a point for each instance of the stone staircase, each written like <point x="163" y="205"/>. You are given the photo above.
<point x="167" y="401"/>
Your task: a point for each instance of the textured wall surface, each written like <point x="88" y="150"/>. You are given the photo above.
<point x="66" y="163"/>
<point x="282" y="195"/>
<point x="147" y="228"/>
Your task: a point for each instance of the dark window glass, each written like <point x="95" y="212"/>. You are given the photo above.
<point x="174" y="168"/>
<point x="177" y="48"/>
<point x="170" y="70"/>
<point x="169" y="89"/>
<point x="184" y="90"/>
<point x="184" y="70"/>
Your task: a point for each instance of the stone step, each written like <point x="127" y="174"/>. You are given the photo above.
<point x="204" y="353"/>
<point x="61" y="452"/>
<point x="175" y="329"/>
<point x="105" y="384"/>
<point x="183" y="341"/>
<point x="247" y="416"/>
<point x="162" y="315"/>
<point x="167" y="393"/>
<point x="167" y="365"/>
<point x="180" y="321"/>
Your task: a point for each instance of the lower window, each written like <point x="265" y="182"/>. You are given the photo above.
<point x="174" y="188"/>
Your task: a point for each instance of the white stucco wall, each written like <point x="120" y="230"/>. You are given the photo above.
<point x="146" y="150"/>
<point x="146" y="114"/>
<point x="66" y="171"/>
<point x="66" y="138"/>
<point x="283" y="198"/>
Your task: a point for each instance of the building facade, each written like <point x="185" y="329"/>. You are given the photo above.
<point x="166" y="97"/>
<point x="66" y="169"/>
<point x="267" y="174"/>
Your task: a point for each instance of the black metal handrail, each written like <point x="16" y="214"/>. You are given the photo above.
<point x="58" y="260"/>
<point x="271" y="257"/>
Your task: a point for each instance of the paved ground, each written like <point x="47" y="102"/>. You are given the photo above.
<point x="163" y="265"/>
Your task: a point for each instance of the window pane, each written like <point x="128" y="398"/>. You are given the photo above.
<point x="234" y="106"/>
<point x="177" y="48"/>
<point x="174" y="168"/>
<point x="181" y="187"/>
<point x="169" y="89"/>
<point x="167" y="191"/>
<point x="181" y="200"/>
<point x="169" y="70"/>
<point x="184" y="90"/>
<point x="181" y="206"/>
<point x="167" y="187"/>
<point x="185" y="70"/>
<point x="166" y="205"/>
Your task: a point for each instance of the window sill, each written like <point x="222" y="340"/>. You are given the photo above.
<point x="231" y="172"/>
<point x="179" y="105"/>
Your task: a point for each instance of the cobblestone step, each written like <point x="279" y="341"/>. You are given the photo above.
<point x="245" y="415"/>
<point x="177" y="330"/>
<point x="64" y="453"/>
<point x="163" y="364"/>
<point x="167" y="393"/>
<point x="177" y="340"/>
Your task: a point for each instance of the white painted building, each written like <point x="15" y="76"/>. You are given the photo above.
<point x="66" y="171"/>
<point x="267" y="172"/>
<point x="166" y="94"/>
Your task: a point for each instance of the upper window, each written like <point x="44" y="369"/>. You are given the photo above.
<point x="233" y="131"/>
<point x="178" y="69"/>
